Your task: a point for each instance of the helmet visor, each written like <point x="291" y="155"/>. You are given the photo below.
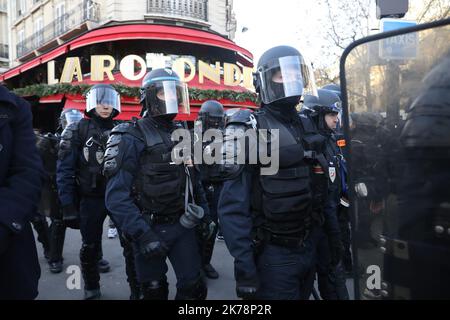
<point x="102" y="96"/>
<point x="286" y="77"/>
<point x="73" y="116"/>
<point x="167" y="97"/>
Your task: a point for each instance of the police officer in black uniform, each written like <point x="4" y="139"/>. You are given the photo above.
<point x="48" y="146"/>
<point x="416" y="246"/>
<point x="325" y="110"/>
<point x="81" y="184"/>
<point x="211" y="117"/>
<point x="274" y="216"/>
<point x="148" y="191"/>
<point x="368" y="143"/>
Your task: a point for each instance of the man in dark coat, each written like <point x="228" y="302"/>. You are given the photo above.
<point x="20" y="183"/>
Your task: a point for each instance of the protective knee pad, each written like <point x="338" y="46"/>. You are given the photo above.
<point x="196" y="290"/>
<point x="155" y="290"/>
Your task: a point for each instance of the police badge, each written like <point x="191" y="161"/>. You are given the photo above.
<point x="332" y="173"/>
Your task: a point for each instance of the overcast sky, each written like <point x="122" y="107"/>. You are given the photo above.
<point x="271" y="23"/>
<point x="281" y="22"/>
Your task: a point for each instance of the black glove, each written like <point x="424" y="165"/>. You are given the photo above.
<point x="151" y="246"/>
<point x="5" y="239"/>
<point x="336" y="249"/>
<point x="71" y="216"/>
<point x="208" y="227"/>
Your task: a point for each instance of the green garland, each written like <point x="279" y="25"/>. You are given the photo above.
<point x="45" y="90"/>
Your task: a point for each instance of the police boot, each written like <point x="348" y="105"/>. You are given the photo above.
<point x="155" y="290"/>
<point x="57" y="236"/>
<point x="130" y="269"/>
<point x="195" y="290"/>
<point x="210" y="272"/>
<point x="89" y="269"/>
<point x="103" y="265"/>
<point x="41" y="226"/>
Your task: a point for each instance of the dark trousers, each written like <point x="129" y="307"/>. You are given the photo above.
<point x="344" y="226"/>
<point x="183" y="255"/>
<point x="282" y="270"/>
<point x="331" y="280"/>
<point x="92" y="216"/>
<point x="207" y="245"/>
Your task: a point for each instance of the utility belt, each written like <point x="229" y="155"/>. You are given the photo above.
<point x="294" y="240"/>
<point x="154" y="219"/>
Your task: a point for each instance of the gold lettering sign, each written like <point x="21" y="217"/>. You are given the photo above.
<point x="98" y="68"/>
<point x="206" y="71"/>
<point x="233" y="75"/>
<point x="127" y="67"/>
<point x="51" y="73"/>
<point x="178" y="67"/>
<point x="71" y="67"/>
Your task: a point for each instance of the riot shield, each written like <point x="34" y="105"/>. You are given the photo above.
<point x="396" y="97"/>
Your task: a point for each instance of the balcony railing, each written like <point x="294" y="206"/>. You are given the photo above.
<point x="87" y="11"/>
<point x="4" y="52"/>
<point x="197" y="9"/>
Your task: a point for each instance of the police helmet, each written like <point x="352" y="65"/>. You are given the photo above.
<point x="335" y="88"/>
<point x="211" y="114"/>
<point x="326" y="102"/>
<point x="283" y="73"/>
<point x="163" y="93"/>
<point x="102" y="95"/>
<point x="69" y="116"/>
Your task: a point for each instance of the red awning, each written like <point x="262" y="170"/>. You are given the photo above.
<point x="130" y="32"/>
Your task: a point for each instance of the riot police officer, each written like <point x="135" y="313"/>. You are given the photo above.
<point x="210" y="117"/>
<point x="325" y="110"/>
<point x="148" y="191"/>
<point x="81" y="184"/>
<point x="48" y="145"/>
<point x="268" y="220"/>
<point x="416" y="242"/>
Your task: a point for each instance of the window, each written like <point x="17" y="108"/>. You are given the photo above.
<point x="21" y="7"/>
<point x="60" y="19"/>
<point x="38" y="31"/>
<point x="20" y="42"/>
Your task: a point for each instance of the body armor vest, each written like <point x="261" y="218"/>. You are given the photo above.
<point x="160" y="185"/>
<point x="47" y="145"/>
<point x="285" y="199"/>
<point x="210" y="173"/>
<point x="93" y="143"/>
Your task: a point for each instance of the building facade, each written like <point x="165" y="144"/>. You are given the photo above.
<point x="38" y="26"/>
<point x="4" y="41"/>
<point x="59" y="48"/>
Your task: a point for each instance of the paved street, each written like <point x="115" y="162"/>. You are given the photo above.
<point x="114" y="285"/>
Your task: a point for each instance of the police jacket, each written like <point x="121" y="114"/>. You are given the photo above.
<point x="142" y="178"/>
<point x="80" y="159"/>
<point x="281" y="203"/>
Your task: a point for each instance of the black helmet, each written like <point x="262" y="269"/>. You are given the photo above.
<point x="335" y="88"/>
<point x="102" y="94"/>
<point x="162" y="93"/>
<point x="69" y="116"/>
<point x="428" y="121"/>
<point x="283" y="75"/>
<point x="326" y="102"/>
<point x="211" y="115"/>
